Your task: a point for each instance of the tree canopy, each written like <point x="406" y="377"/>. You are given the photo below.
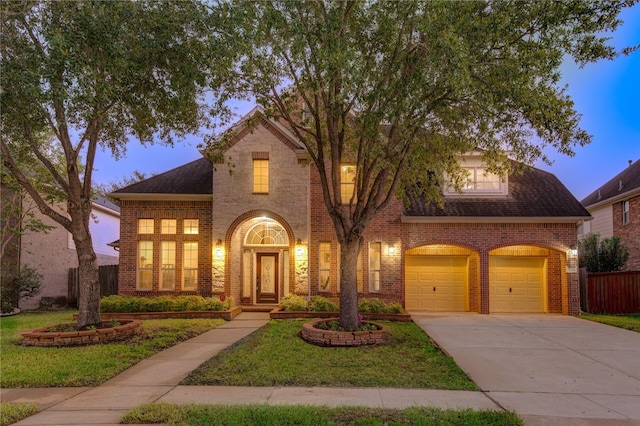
<point x="91" y="74"/>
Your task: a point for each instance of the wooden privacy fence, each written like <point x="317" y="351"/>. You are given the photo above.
<point x="611" y="293"/>
<point x="108" y="283"/>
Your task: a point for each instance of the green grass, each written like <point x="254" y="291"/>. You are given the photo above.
<point x="25" y="366"/>
<point x="630" y="322"/>
<point x="307" y="415"/>
<point x="15" y="411"/>
<point x="275" y="355"/>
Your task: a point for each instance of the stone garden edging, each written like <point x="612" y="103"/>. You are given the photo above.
<point x="320" y="337"/>
<point x="42" y="337"/>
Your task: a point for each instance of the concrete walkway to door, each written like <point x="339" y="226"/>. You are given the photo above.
<point x="550" y="369"/>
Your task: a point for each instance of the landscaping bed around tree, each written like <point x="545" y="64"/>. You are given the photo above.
<point x="275" y="355"/>
<point x="305" y="415"/>
<point x="69" y="334"/>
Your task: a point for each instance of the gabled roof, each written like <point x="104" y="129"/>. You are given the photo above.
<point x="621" y="185"/>
<point x="532" y="194"/>
<point x="195" y="179"/>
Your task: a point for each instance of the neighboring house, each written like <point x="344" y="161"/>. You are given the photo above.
<point x="53" y="253"/>
<point x="615" y="208"/>
<point x="262" y="232"/>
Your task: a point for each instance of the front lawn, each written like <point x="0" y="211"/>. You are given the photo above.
<point x="24" y="366"/>
<point x="265" y="415"/>
<point x="630" y="322"/>
<point x="11" y="413"/>
<point x="275" y="355"/>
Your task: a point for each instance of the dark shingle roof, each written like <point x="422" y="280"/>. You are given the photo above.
<point x="630" y="178"/>
<point x="533" y="193"/>
<point x="191" y="179"/>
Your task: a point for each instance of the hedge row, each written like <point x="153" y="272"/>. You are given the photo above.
<point x="120" y="303"/>
<point x="294" y="303"/>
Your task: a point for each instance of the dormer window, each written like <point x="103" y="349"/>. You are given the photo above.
<point x="479" y="181"/>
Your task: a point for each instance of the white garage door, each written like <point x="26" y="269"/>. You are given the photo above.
<point x="436" y="283"/>
<point x="516" y="284"/>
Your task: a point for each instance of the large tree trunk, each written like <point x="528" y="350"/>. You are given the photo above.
<point x="88" y="271"/>
<point x="349" y="319"/>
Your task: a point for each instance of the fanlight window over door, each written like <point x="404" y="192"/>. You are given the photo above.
<point x="267" y="234"/>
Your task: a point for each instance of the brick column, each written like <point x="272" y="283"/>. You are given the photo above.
<point x="484" y="281"/>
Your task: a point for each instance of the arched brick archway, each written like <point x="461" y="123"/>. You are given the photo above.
<point x="238" y="260"/>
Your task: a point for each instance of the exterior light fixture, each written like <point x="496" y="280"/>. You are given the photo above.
<point x="219" y="249"/>
<point x="573" y="250"/>
<point x="299" y="247"/>
<point x="392" y="250"/>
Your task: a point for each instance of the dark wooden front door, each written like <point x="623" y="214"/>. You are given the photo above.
<point x="267" y="278"/>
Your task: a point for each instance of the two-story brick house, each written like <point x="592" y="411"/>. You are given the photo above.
<point x="615" y="208"/>
<point x="260" y="231"/>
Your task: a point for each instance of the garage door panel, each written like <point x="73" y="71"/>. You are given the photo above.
<point x="436" y="283"/>
<point x="516" y="284"/>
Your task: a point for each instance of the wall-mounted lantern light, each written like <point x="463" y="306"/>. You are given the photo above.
<point x="219" y="250"/>
<point x="392" y="250"/>
<point x="299" y="247"/>
<point x="573" y="250"/>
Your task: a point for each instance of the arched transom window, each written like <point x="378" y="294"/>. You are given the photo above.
<point x="267" y="234"/>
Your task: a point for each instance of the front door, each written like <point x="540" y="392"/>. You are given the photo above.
<point x="267" y="278"/>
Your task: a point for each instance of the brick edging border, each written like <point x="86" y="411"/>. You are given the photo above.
<point x="279" y="313"/>
<point x="43" y="338"/>
<point x="316" y="336"/>
<point x="227" y="315"/>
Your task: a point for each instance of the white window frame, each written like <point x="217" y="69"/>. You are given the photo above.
<point x="375" y="266"/>
<point x="260" y="182"/>
<point x="324" y="266"/>
<point x="167" y="268"/>
<point x="625" y="212"/>
<point x="190" y="226"/>
<point x="478" y="172"/>
<point x="144" y="265"/>
<point x="187" y="268"/>
<point x="168" y="226"/>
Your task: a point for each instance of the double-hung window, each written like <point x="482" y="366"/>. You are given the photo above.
<point x="325" y="266"/>
<point x="260" y="172"/>
<point x="625" y="212"/>
<point x="347" y="182"/>
<point x="190" y="265"/>
<point x="168" y="270"/>
<point x="375" y="254"/>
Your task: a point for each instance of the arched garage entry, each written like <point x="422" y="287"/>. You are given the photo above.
<point x="518" y="279"/>
<point x="441" y="278"/>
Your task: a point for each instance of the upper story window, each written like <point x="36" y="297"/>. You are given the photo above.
<point x="260" y="172"/>
<point x="478" y="181"/>
<point x="168" y="226"/>
<point x="190" y="226"/>
<point x="145" y="226"/>
<point x="347" y="182"/>
<point x="625" y="212"/>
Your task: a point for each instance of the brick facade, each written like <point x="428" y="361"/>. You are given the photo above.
<point x="295" y="203"/>
<point x="131" y="211"/>
<point x="629" y="233"/>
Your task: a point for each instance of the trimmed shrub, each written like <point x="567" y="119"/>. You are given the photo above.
<point x="294" y="303"/>
<point x="372" y="306"/>
<point x="377" y="306"/>
<point x="322" y="304"/>
<point x="120" y="303"/>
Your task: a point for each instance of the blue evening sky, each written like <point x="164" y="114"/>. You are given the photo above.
<point x="606" y="93"/>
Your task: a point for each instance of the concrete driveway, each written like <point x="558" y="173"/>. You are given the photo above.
<point x="550" y="369"/>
